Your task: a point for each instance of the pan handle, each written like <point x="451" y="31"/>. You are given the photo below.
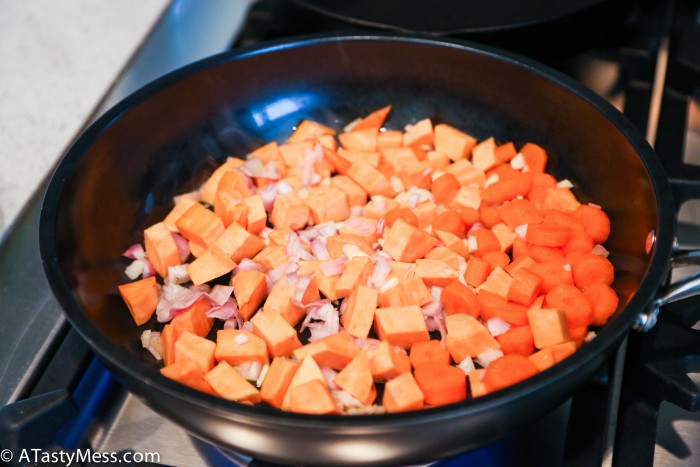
<point x="684" y="288"/>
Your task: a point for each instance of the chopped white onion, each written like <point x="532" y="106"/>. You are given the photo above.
<point x="177" y="274"/>
<point x="151" y="341"/>
<point x="521" y="230"/>
<point x="390" y="284"/>
<point x="590" y="335"/>
<point x="241" y="339"/>
<point x="488" y="356"/>
<point x="344" y="400"/>
<point x="351" y="251"/>
<point x="566" y="183"/>
<point x="466" y="365"/>
<point x="472" y="244"/>
<point x="263" y="373"/>
<point x="249" y="370"/>
<point x="491" y="180"/>
<point x="497" y="326"/>
<point x="518" y="162"/>
<point x="600" y="250"/>
<point x="183" y="247"/>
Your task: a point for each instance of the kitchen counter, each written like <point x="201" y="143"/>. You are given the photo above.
<point x="57" y="60"/>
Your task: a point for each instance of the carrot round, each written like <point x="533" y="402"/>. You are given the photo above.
<point x="603" y="300"/>
<point x="429" y="352"/>
<point x="450" y="221"/>
<point x="595" y="222"/>
<point x="517" y="340"/>
<point x="547" y="234"/>
<point x="570" y="299"/>
<point x="441" y="384"/>
<point x="519" y="212"/>
<point x="444" y="188"/>
<point x="457" y="298"/>
<point x="508" y="370"/>
<point x="579" y="242"/>
<point x="588" y="269"/>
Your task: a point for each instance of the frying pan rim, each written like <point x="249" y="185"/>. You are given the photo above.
<point x="134" y="368"/>
<point x="584" y="5"/>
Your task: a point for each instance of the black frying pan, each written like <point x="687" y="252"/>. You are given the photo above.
<point x="121" y="173"/>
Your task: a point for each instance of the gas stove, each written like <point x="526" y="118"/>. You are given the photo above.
<point x="640" y="409"/>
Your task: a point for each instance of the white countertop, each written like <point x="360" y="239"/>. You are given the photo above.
<point x="57" y="59"/>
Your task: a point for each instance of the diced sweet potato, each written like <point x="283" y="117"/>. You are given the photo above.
<point x="370" y="179"/>
<point x="402" y="394"/>
<point x="360" y="140"/>
<point x="237" y="346"/>
<point x="280" y="337"/>
<point x="237" y="243"/>
<point x="435" y="273"/>
<point x="548" y="327"/>
<point x="307" y="371"/>
<point x="308" y="130"/>
<point x="456" y="144"/>
<point x="359" y="312"/>
<point x="356" y="273"/>
<point x="411" y="291"/>
<point x="289" y="211"/>
<point x="229" y="384"/>
<point x="250" y="289"/>
<point x="401" y="326"/>
<point x="196" y="348"/>
<point x="357" y="196"/>
<point x="356" y="378"/>
<point x="387" y="361"/>
<point x="276" y="382"/>
<point x="161" y="249"/>
<point x="182" y="204"/>
<point x="280" y="300"/>
<point x="141" y="297"/>
<point x="208" y="190"/>
<point x="406" y="243"/>
<point x="213" y="263"/>
<point x="419" y="134"/>
<point x="199" y="224"/>
<point x="312" y="397"/>
<point x="186" y="372"/>
<point x="334" y="351"/>
<point x="257" y="217"/>
<point x="467" y="337"/>
<point x="327" y="203"/>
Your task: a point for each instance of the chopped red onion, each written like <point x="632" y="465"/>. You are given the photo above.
<point x="247" y="326"/>
<point x="177" y="274"/>
<point x="309" y="234"/>
<point x="343" y="306"/>
<point x="355" y="210"/>
<point x="175" y="299"/>
<point x="327" y="322"/>
<point x="475" y="227"/>
<point x="283" y="188"/>
<point x="600" y="250"/>
<point x="183" y="246"/>
<point x="249" y="370"/>
<point x="359" y="224"/>
<point x="344" y="400"/>
<point x="295" y="250"/>
<point x="413" y="199"/>
<point x="380" y="226"/>
<point x="231" y="323"/>
<point x="329" y="375"/>
<point x="135" y="251"/>
<point x="466" y="365"/>
<point x="319" y="249"/>
<point x="497" y="326"/>
<point x="241" y="339"/>
<point x="487" y="356"/>
<point x="334" y="267"/>
<point x="249" y="265"/>
<point x="268" y="195"/>
<point x="151" y="341"/>
<point x="227" y="312"/>
<point x="327" y="229"/>
<point x="382" y="268"/>
<point x="434" y="307"/>
<point x="379" y="202"/>
<point x="300" y="289"/>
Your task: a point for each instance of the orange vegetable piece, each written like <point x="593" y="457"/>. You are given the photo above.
<point x="484" y="240"/>
<point x="328" y="142"/>
<point x="370" y="179"/>
<point x="230" y="207"/>
<point x="356" y="273"/>
<point x="405" y="214"/>
<point x="356" y="378"/>
<point x="495" y="305"/>
<point x="334" y="351"/>
<point x="444" y="254"/>
<point x="412" y="291"/>
<point x="466" y="197"/>
<point x="402" y="394"/>
<point x="213" y="263"/>
<point x="518" y="184"/>
<point x="543" y="359"/>
<point x="200" y="225"/>
<point x="237" y="243"/>
<point x="577" y="334"/>
<point x="548" y="326"/>
<point x="467" y="337"/>
<point x="450" y="221"/>
<point x="505" y="235"/>
<point x="256" y="217"/>
<point x="373" y="120"/>
<point x="523" y="262"/>
<point x="561" y="199"/>
<point x="357" y="196"/>
<point x="595" y="222"/>
<point x="281" y="338"/>
<point x="425" y="212"/>
<point x="579" y="242"/>
<point x="182" y="204"/>
<point x="541" y="184"/>
<point x="456" y="144"/>
<point x="272" y="256"/>
<point x="589" y="269"/>
<point x="441" y="384"/>
<point x="498" y="282"/>
<point x="519" y="212"/>
<point x="518" y="340"/>
<point x="603" y="300"/>
<point x="188" y="373"/>
<point x="466" y="173"/>
<point x="401" y="326"/>
<point x="476" y="383"/>
<point x="307" y="371"/>
<point x="327" y="203"/>
<point x="445" y="188"/>
<point x="293" y="153"/>
<point x="406" y="243"/>
<point x="553" y="273"/>
<point x="237" y="346"/>
<point x="309" y="131"/>
<point x="437" y="160"/>
<point x="193" y="319"/>
<point x="371" y="157"/>
<point x="276" y="382"/>
<point x="233" y="181"/>
<point x="434" y="272"/>
<point x="312" y="397"/>
<point x="280" y="300"/>
<point x="505" y="152"/>
<point x="525" y="288"/>
<point x="209" y="188"/>
<point x="497" y="259"/>
<point x="250" y="289"/>
<point x="547" y="234"/>
<point x="419" y="134"/>
<point x="429" y="353"/>
<point x="360" y="140"/>
<point x="563" y="350"/>
<point x="535" y="157"/>
<point x="458" y="298"/>
<point x="453" y="243"/>
<point x="161" y="249"/>
<point x="359" y="311"/>
<point x="141" y="297"/>
<point x="196" y="348"/>
<point x="229" y="384"/>
<point x="289" y="211"/>
<point x="477" y="272"/>
<point x="389" y="139"/>
<point x="574" y="304"/>
<point x="484" y="154"/>
<point x="508" y="370"/>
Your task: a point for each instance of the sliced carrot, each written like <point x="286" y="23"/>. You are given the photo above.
<point x="477" y="272"/>
<point x="535" y="157"/>
<point x="541" y="184"/>
<point x="281" y="338"/>
<point x="237" y="346"/>
<point x="449" y="220"/>
<point x="497" y="259"/>
<point x="548" y="326"/>
<point x="445" y="188"/>
<point x="276" y="382"/>
<point x="454" y="143"/>
<point x="577" y="335"/>
<point x="406" y="243"/>
<point x="541" y="254"/>
<point x="429" y="353"/>
<point x="389" y="139"/>
<point x="603" y="300"/>
<point x="356" y="378"/>
<point x="525" y="287"/>
<point x="467" y="337"/>
<point x="508" y="370"/>
<point x="441" y="384"/>
<point x="523" y="262"/>
<point x="484" y="240"/>
<point x="579" y="242"/>
<point x="588" y="269"/>
<point x="334" y="351"/>
<point x="519" y="212"/>
<point x="574" y="304"/>
<point x="505" y="190"/>
<point x="199" y="224"/>
<point x="562" y="199"/>
<point x="547" y="234"/>
<point x="196" y="348"/>
<point x="359" y="312"/>
<point x="458" y="298"/>
<point x="470" y="216"/>
<point x="141" y="297"/>
<point x="373" y="120"/>
<point x="496" y="306"/>
<point x="161" y="249"/>
<point x="553" y="273"/>
<point x="229" y="384"/>
<point x="595" y="222"/>
<point x="405" y="214"/>
<point x="402" y="394"/>
<point x="517" y="340"/>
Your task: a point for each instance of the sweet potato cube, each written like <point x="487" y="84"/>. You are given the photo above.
<point x="209" y="188"/>
<point x="504" y="235"/>
<point x="434" y="272"/>
<point x="199" y="224"/>
<point x="498" y="282"/>
<point x="276" y="382"/>
<point x="389" y="139"/>
<point x="467" y="174"/>
<point x="337" y="243"/>
<point x="280" y="300"/>
<point x="548" y="326"/>
<point x="388" y="361"/>
<point x="272" y="256"/>
<point x="280" y="337"/>
<point x="452" y="142"/>
<point x="307" y="371"/>
<point x="250" y="289"/>
<point x="370" y="157"/>
<point x="359" y="312"/>
<point x="289" y="211"/>
<point x="327" y="203"/>
<point x="412" y="291"/>
<point x="213" y="263"/>
<point x="419" y="134"/>
<point x="466" y="197"/>
<point x="444" y="254"/>
<point x="257" y="217"/>
<point x="182" y="204"/>
<point x="360" y="140"/>
<point x="312" y="397"/>
<point x="484" y="155"/>
<point x="357" y="196"/>
<point x="293" y="153"/>
<point x="198" y="349"/>
<point x="356" y="273"/>
<point x="467" y="337"/>
<point x="399" y="159"/>
<point x="334" y="351"/>
<point x="141" y="297"/>
<point x="370" y="179"/>
<point x="237" y="243"/>
<point x="233" y="181"/>
<point x="230" y="207"/>
<point x="543" y="359"/>
<point x="453" y="243"/>
<point x="237" y="346"/>
<point x="459" y="298"/>
<point x="563" y="350"/>
<point x="476" y="383"/>
<point x="194" y="319"/>
<point x="525" y="288"/>
<point x="186" y="372"/>
<point x="229" y="384"/>
<point x="161" y="249"/>
<point x="402" y="394"/>
<point x="309" y="131"/>
<point x="401" y="326"/>
<point x="373" y="120"/>
<point x="406" y="243"/>
<point x="356" y="378"/>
